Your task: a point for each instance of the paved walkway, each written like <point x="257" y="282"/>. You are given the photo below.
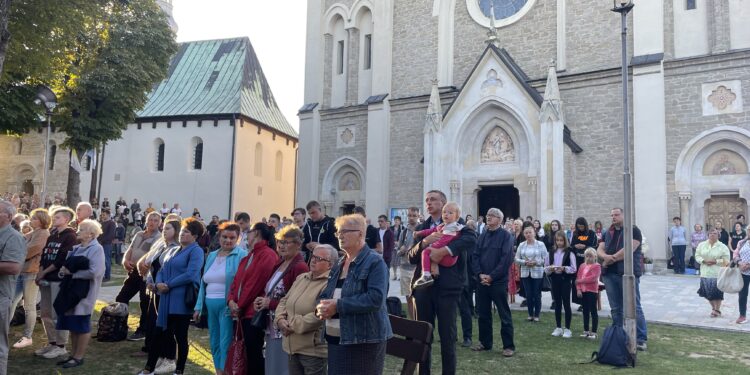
<point x="669" y="299"/>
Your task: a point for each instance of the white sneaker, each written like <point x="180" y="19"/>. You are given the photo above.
<point x="41" y="351"/>
<point x="55" y="352"/>
<point x="557" y="332"/>
<point x="567" y="334"/>
<point x="23" y="342"/>
<point x="424" y="281"/>
<point x="167" y="367"/>
<point x="158" y="362"/>
<point x="585" y="334"/>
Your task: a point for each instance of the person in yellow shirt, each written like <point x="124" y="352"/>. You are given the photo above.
<point x="712" y="255"/>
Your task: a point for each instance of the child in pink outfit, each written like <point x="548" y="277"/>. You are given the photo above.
<point x="587" y="288"/>
<point x="451" y="229"/>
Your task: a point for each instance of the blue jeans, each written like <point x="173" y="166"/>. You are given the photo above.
<point x="220" y="329"/>
<point x="678" y="252"/>
<point x="533" y="289"/>
<point x="107" y="261"/>
<point x="613" y="285"/>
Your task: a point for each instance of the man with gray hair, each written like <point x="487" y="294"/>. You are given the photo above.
<point x="12" y="257"/>
<point x="490" y="264"/>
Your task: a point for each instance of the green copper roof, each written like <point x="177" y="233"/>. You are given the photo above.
<point x="216" y="77"/>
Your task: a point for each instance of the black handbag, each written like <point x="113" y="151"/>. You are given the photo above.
<point x="260" y="318"/>
<point x="546" y="283"/>
<point x="191" y="296"/>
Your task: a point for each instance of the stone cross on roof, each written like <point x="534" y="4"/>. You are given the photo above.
<point x="492" y="32"/>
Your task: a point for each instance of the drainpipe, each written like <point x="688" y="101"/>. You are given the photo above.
<point x="231" y="165"/>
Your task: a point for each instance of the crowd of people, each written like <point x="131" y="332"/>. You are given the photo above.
<point x="308" y="294"/>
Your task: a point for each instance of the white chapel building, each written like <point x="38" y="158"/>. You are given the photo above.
<point x="408" y="96"/>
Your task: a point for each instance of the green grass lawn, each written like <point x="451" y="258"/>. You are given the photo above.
<point x="672" y="350"/>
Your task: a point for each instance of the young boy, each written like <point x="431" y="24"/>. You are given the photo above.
<point x="450" y="228"/>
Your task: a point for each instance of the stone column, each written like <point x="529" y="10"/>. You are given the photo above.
<point x="308" y="158"/>
<point x="327" y="70"/>
<point x="687" y="221"/>
<point x="445" y="11"/>
<point x="455" y="188"/>
<point x="352" y="79"/>
<point x="718" y="22"/>
<point x="378" y="161"/>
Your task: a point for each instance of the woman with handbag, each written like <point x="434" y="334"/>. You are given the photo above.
<point x="176" y="283"/>
<point x="743" y="261"/>
<point x="530" y="256"/>
<point x="353" y="304"/>
<point x="295" y="316"/>
<point x="252" y="276"/>
<point x="220" y="269"/>
<point x="288" y="244"/>
<point x="712" y="255"/>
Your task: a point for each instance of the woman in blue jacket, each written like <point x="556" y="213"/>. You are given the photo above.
<point x="221" y="266"/>
<point x="353" y="304"/>
<point x="179" y="275"/>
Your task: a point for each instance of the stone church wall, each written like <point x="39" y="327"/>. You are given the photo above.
<point x="683" y="82"/>
<point x="407" y="150"/>
<point x="414" y="48"/>
<point x="329" y="151"/>
<point x="32" y="155"/>
<point x="593" y="36"/>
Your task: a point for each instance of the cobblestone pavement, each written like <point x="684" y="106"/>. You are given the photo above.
<point x="670" y="299"/>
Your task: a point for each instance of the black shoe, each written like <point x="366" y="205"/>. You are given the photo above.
<point x="467" y="343"/>
<point x="137" y="336"/>
<point x="72" y="362"/>
<point x="552" y="306"/>
<point x="580" y="308"/>
<point x="523" y="303"/>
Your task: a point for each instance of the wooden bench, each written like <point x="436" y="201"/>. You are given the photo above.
<point x="411" y="342"/>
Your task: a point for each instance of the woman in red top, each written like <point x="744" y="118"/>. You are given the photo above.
<point x="249" y="283"/>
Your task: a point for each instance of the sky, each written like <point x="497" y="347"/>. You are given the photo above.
<point x="275" y="28"/>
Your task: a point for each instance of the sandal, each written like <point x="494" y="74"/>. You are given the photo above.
<point x="72" y="362"/>
<point x="715" y="313"/>
<point x="60" y="363"/>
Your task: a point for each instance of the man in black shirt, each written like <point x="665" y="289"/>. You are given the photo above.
<point x="372" y="236"/>
<point x="318" y="229"/>
<point x="611" y="254"/>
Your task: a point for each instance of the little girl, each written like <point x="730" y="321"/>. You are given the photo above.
<point x="587" y="287"/>
<point x="561" y="273"/>
<point x="450" y="228"/>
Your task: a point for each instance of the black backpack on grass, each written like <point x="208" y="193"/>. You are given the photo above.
<point x="613" y="349"/>
<point x="393" y="305"/>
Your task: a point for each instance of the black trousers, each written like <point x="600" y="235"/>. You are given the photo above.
<point x="433" y="303"/>
<point x="561" y="295"/>
<point x="177" y="331"/>
<point x="167" y="350"/>
<point x="133" y="285"/>
<point x="466" y="307"/>
<point x="590" y="310"/>
<point x="486" y="295"/>
<point x="254" y="339"/>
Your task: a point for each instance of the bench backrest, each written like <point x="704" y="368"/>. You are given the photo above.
<point x="411" y="342"/>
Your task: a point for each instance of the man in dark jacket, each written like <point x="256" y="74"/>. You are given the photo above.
<point x="109" y="231"/>
<point x="441" y="298"/>
<point x="490" y="264"/>
<point x="319" y="229"/>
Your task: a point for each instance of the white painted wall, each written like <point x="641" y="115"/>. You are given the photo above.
<point x="690" y="29"/>
<point x="739" y="24"/>
<point x="308" y="158"/>
<point x="648" y="25"/>
<point x="338" y="81"/>
<point x="132" y="158"/>
<point x="383" y="47"/>
<point x="365" y="75"/>
<point x="314" y="50"/>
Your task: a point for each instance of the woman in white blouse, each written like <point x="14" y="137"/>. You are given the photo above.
<point x="531" y="255"/>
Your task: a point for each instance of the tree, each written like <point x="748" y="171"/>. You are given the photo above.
<point x="106" y="62"/>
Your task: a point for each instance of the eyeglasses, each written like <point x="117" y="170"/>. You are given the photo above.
<point x="342" y="232"/>
<point x="285" y="242"/>
<point x="318" y="259"/>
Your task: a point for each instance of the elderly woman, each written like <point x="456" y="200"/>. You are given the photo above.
<point x="83" y="271"/>
<point x="353" y="304"/>
<point x="25" y="286"/>
<point x="712" y="255"/>
<point x="252" y="277"/>
<point x="148" y="266"/>
<point x="220" y="269"/>
<point x="295" y="316"/>
<point x="698" y="236"/>
<point x="292" y="264"/>
<point x="530" y="256"/>
<point x="176" y="280"/>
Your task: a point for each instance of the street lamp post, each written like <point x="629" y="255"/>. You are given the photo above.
<point x="46" y="97"/>
<point x="628" y="278"/>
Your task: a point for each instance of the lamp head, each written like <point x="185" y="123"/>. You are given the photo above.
<point x="45" y="96"/>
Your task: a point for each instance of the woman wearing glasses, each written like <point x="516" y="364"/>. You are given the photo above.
<point x="295" y="316"/>
<point x="289" y="243"/>
<point x="353" y="304"/>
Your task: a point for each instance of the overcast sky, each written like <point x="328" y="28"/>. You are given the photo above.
<point x="275" y="28"/>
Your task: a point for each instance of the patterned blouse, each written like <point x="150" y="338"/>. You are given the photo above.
<point x="536" y="252"/>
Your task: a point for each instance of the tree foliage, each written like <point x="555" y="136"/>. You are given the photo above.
<point x="101" y="58"/>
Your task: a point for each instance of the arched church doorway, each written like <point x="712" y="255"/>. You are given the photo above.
<point x="724" y="210"/>
<point x="28" y="187"/>
<point x="504" y="197"/>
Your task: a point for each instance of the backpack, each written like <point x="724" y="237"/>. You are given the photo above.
<point x="393" y="305"/>
<point x="613" y="349"/>
<point x="113" y="324"/>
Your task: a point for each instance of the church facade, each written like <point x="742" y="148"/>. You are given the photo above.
<point x="517" y="104"/>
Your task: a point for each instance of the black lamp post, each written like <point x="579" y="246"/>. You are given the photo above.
<point x="46" y="97"/>
<point x="628" y="278"/>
